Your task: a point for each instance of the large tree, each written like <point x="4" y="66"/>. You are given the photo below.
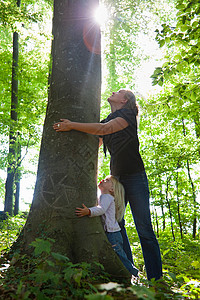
<point x="67" y="167"/>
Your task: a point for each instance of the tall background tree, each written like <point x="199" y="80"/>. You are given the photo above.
<point x="26" y="82"/>
<point x="14" y="149"/>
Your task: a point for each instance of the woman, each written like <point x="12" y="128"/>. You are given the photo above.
<point x="119" y="136"/>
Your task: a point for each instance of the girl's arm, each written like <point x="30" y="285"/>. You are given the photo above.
<point x="104" y="203"/>
<point x="85" y="211"/>
<point x="81" y="212"/>
<point x="112" y="126"/>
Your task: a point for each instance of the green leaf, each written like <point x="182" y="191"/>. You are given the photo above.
<point x="196" y="264"/>
<point x="68" y="273"/>
<point x="60" y="257"/>
<point x="193" y="96"/>
<point x="50" y="263"/>
<point x="41" y="246"/>
<point x="180" y="6"/>
<point x="178" y="57"/>
<point x="42" y="276"/>
<point x="160" y="82"/>
<point x="165" y="252"/>
<point x="184" y="28"/>
<point x="41" y="296"/>
<point x="77" y="277"/>
<point x="173" y="276"/>
<point x="161" y="43"/>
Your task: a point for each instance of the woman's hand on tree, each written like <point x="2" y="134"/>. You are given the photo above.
<point x="81" y="212"/>
<point x="64" y="125"/>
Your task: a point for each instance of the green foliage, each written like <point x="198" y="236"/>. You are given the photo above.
<point x="171" y="124"/>
<point x="181" y="67"/>
<point x="45" y="274"/>
<point x="124" y="35"/>
<point x="184" y="250"/>
<point x="9" y="230"/>
<point x="11" y="15"/>
<point x="32" y="21"/>
<point x="41" y="246"/>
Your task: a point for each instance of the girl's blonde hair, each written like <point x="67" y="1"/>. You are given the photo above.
<point x="119" y="195"/>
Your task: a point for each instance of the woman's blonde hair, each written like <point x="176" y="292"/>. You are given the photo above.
<point x="119" y="195"/>
<point x="131" y="101"/>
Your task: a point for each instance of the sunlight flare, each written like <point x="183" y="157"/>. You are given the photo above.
<point x="101" y="15"/>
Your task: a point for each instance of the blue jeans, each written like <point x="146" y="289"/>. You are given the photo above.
<point x="137" y="194"/>
<point x="115" y="238"/>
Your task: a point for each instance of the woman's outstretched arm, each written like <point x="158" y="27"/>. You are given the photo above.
<point x="112" y="126"/>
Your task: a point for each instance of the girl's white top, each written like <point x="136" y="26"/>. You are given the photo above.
<point x="106" y="209"/>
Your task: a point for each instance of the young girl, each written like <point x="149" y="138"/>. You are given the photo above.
<point x="111" y="207"/>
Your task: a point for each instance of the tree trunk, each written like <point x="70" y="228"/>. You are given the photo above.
<point x="9" y="186"/>
<point x="194" y="229"/>
<point x="169" y="207"/>
<point x="178" y="205"/>
<point x="161" y="203"/>
<point x="157" y="224"/>
<point x="17" y="177"/>
<point x="67" y="170"/>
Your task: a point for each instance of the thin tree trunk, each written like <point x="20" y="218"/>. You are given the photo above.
<point x="178" y="205"/>
<point x="157" y="223"/>
<point x="193" y="189"/>
<point x="197" y="125"/>
<point x="169" y="207"/>
<point x="17" y="193"/>
<point x="17" y="178"/>
<point x="9" y="186"/>
<point x="155" y="217"/>
<point x="194" y="200"/>
<point x="160" y="191"/>
<point x="162" y="206"/>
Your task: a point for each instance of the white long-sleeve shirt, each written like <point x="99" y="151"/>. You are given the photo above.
<point x="106" y="209"/>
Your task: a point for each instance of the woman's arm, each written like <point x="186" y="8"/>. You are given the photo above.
<point x="112" y="126"/>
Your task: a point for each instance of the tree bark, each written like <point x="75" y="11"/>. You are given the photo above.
<point x="169" y="207"/>
<point x="17" y="177"/>
<point x="178" y="204"/>
<point x="194" y="229"/>
<point x="67" y="169"/>
<point x="161" y="203"/>
<point x="9" y="186"/>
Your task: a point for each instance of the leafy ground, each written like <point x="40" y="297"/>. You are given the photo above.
<point x="48" y="275"/>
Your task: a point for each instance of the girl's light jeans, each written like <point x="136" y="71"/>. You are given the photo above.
<point x="115" y="238"/>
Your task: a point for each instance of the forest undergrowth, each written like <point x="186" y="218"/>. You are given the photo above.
<point x="49" y="275"/>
